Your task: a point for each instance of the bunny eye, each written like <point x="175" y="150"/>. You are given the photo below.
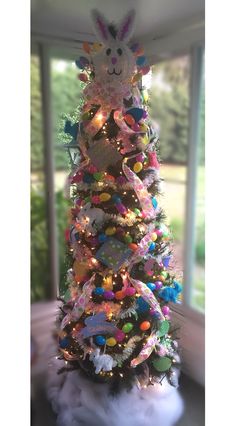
<point x="108" y="52"/>
<point x="119" y="51"/>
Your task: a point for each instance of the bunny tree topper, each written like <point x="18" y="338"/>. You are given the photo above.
<point x="115" y="63"/>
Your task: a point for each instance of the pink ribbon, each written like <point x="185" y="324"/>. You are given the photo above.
<point x="80" y="303"/>
<point x="140" y="190"/>
<point x="146" y="351"/>
<point x="147" y="295"/>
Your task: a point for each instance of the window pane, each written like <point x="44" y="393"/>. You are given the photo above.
<point x="39" y="236"/>
<point x="198" y="300"/>
<point x="169" y="98"/>
<point x="66" y="97"/>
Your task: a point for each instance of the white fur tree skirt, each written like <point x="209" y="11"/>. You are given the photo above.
<point x="79" y="402"/>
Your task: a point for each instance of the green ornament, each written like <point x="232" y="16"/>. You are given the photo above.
<point x="67" y="295"/>
<point x="127" y="327"/>
<point x="136" y="211"/>
<point x="164" y="328"/>
<point x="164" y="274"/>
<point x="165" y="234"/>
<point x="87" y="199"/>
<point x="162" y="364"/>
<point x="128" y="239"/>
<point x="98" y="176"/>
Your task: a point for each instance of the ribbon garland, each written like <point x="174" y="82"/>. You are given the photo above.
<point x="146" y="351"/>
<point x="147" y="295"/>
<point x="80" y="303"/>
<point x="140" y="190"/>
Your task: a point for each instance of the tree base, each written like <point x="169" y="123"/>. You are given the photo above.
<point x="77" y="401"/>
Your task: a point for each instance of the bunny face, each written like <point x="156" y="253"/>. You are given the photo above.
<point x="115" y="62"/>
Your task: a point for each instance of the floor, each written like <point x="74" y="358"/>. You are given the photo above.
<point x="192" y="393"/>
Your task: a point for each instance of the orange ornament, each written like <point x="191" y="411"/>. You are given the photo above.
<point x="129" y="119"/>
<point x="160" y="278"/>
<point x="145" y="325"/>
<point x="133" y="246"/>
<point x="86" y="47"/>
<point x="119" y="295"/>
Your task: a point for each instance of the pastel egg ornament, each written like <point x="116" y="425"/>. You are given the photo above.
<point x="145" y="325"/>
<point x="111" y="341"/>
<point x="127" y="327"/>
<point x="100" y="340"/>
<point x="119" y="336"/>
<point x="115" y="62"/>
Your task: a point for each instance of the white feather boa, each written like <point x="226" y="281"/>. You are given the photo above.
<point x="78" y="402"/>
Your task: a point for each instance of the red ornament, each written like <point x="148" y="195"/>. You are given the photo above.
<point x="145" y="325"/>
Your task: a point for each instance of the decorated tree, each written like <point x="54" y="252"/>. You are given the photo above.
<point x="115" y="319"/>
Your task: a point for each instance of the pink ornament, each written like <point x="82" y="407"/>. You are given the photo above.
<point x="143" y="215"/>
<point x="92" y="169"/>
<point x="149" y="273"/>
<point x="158" y="284"/>
<point x="130" y="291"/>
<point x="136" y="127"/>
<point x="165" y="309"/>
<point x="96" y="199"/>
<point x="119" y="336"/>
<point x="140" y="158"/>
<point x="159" y="232"/>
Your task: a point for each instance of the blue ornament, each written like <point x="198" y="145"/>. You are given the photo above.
<point x="82" y="62"/>
<point x="137" y="113"/>
<point x="170" y="294"/>
<point x="152" y="246"/>
<point x="77" y="236"/>
<point x="152" y="286"/>
<point x="141" y="60"/>
<point x="88" y="178"/>
<point x="154" y="202"/>
<point x="64" y="343"/>
<point x="99" y="291"/>
<point x="100" y="340"/>
<point x="143" y="306"/>
<point x="116" y="198"/>
<point x="166" y="261"/>
<point x="102" y="238"/>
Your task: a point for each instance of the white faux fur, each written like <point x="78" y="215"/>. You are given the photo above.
<point x="79" y="402"/>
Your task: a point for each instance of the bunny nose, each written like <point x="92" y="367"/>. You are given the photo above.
<point x="113" y="60"/>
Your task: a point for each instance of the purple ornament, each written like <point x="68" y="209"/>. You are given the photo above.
<point x="145" y="114"/>
<point x="159" y="284"/>
<point x="165" y="309"/>
<point x="130" y="291"/>
<point x="121" y="208"/>
<point x="154" y="313"/>
<point x="140" y="157"/>
<point x="119" y="336"/>
<point x="121" y="180"/>
<point x="109" y="295"/>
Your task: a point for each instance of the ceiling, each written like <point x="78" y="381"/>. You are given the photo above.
<point x="70" y="19"/>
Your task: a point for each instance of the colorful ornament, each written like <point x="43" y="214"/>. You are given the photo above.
<point x="111" y="230"/>
<point x="109" y="295"/>
<point x="99" y="291"/>
<point x="119" y="336"/>
<point x="111" y="341"/>
<point x="152" y="286"/>
<point x="130" y="291"/>
<point x="165" y="309"/>
<point x="119" y="295"/>
<point x="133" y="246"/>
<point x="145" y="325"/>
<point x="137" y="167"/>
<point x="105" y="197"/>
<point x="127" y="327"/>
<point x="100" y="340"/>
<point x="129" y="119"/>
<point x="152" y="246"/>
<point x="162" y="364"/>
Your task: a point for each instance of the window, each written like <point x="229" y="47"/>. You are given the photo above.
<point x="40" y="277"/>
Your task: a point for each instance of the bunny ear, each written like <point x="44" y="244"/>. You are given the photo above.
<point x="126" y="27"/>
<point x="100" y="26"/>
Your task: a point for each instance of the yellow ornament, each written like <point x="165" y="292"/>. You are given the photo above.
<point x="154" y="236"/>
<point x="143" y="127"/>
<point x="104" y="196"/>
<point x="137" y="167"/>
<point x="145" y="140"/>
<point x="111" y="341"/>
<point x="110" y="231"/>
<point x="145" y="95"/>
